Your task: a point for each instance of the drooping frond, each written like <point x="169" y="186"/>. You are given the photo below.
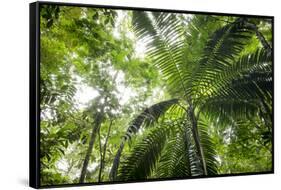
<point x="249" y="68"/>
<point x="146" y="118"/>
<point x="142" y="159"/>
<point x="179" y="158"/>
<point x="207" y="146"/>
<point x="242" y="88"/>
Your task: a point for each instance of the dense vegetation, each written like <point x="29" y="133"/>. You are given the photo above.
<point x="135" y="95"/>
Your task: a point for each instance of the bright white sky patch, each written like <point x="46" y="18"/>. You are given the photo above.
<point x="140" y="49"/>
<point x="124" y="93"/>
<point x="157" y="94"/>
<point x="121" y="16"/>
<point x="62" y="165"/>
<point x="84" y="93"/>
<point x="121" y="20"/>
<point x="92" y="166"/>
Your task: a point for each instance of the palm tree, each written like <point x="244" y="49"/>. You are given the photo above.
<point x="220" y="85"/>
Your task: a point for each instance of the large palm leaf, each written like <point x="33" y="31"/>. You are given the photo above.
<point x="242" y="88"/>
<point x="144" y="119"/>
<point x="179" y="158"/>
<point x="164" y="36"/>
<point x="168" y="150"/>
<point x="219" y="53"/>
<point x="219" y="86"/>
<point x="142" y="159"/>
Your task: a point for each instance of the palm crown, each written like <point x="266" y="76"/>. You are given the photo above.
<point x="223" y="83"/>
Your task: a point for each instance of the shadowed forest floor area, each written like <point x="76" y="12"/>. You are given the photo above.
<point x="134" y="95"/>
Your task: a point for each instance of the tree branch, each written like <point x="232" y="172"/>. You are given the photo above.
<point x="259" y="35"/>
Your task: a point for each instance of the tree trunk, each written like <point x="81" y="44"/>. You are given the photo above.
<point x="95" y="130"/>
<point x="114" y="168"/>
<point x="197" y="138"/>
<point x="104" y="151"/>
<point x="101" y="156"/>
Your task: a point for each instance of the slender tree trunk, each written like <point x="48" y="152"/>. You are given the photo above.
<point x="197" y="138"/>
<point x="95" y="130"/>
<point x="103" y="152"/>
<point x="114" y="168"/>
<point x="101" y="156"/>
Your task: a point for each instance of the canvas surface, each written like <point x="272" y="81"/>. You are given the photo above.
<point x="130" y="95"/>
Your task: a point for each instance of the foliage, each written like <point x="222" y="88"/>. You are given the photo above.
<point x="134" y="95"/>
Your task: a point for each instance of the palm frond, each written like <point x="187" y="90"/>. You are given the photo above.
<point x="242" y="88"/>
<point x="149" y="116"/>
<point x="143" y="26"/>
<point x="146" y="118"/>
<point x="165" y="41"/>
<point x="251" y="67"/>
<point x="207" y="146"/>
<point x="179" y="158"/>
<point x="141" y="161"/>
<point x="220" y="52"/>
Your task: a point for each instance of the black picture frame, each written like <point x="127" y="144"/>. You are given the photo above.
<point x="34" y="90"/>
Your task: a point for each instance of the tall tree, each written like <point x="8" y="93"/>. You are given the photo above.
<point x="224" y="84"/>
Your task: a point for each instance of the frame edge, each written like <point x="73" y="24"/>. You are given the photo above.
<point x="34" y="168"/>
